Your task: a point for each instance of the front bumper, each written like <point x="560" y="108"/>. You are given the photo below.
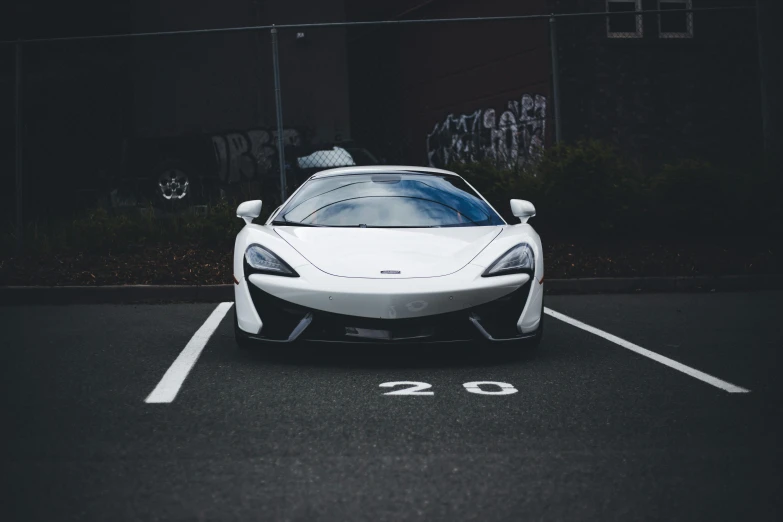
<point x="494" y="321"/>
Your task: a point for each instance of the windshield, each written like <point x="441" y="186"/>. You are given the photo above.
<point x="395" y="199"/>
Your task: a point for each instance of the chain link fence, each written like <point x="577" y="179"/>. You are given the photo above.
<point x="175" y="121"/>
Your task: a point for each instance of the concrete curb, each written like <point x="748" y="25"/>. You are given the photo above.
<point x="27" y="295"/>
<point x="20" y="295"/>
<point x="632" y="285"/>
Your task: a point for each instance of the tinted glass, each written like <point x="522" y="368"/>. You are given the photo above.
<point x="389" y="200"/>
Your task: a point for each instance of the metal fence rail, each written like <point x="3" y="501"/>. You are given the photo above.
<point x="372" y="23"/>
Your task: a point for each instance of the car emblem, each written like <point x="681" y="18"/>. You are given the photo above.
<point x="390" y="271"/>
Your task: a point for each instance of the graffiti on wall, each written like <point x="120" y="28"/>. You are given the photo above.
<point x="514" y="139"/>
<point x="249" y="154"/>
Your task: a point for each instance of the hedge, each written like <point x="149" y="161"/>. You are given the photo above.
<point x="585" y="189"/>
<point x="589" y="189"/>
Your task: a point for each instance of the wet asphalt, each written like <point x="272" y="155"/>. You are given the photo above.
<point x="593" y="431"/>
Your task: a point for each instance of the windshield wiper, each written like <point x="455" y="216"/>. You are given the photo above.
<point x="293" y="224"/>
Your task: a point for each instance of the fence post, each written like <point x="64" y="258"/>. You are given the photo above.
<point x="763" y="76"/>
<point x="555" y="76"/>
<point x="279" y="105"/>
<point x="18" y="150"/>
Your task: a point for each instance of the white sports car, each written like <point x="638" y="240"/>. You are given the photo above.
<point x="388" y="255"/>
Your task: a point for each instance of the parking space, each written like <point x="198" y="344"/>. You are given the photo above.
<point x="732" y="336"/>
<point x="582" y="429"/>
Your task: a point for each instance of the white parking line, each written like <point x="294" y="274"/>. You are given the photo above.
<point x="709" y="379"/>
<point x="172" y="380"/>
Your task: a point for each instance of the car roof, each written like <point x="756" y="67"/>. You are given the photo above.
<point x="342" y="171"/>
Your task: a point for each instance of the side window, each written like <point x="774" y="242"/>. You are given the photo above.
<point x="627" y="24"/>
<point x="675" y="24"/>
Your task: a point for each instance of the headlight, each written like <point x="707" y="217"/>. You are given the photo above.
<point x="518" y="259"/>
<point x="263" y="260"/>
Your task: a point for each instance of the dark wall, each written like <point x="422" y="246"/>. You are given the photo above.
<point x="204" y="104"/>
<point x="7" y="160"/>
<point x="95" y="111"/>
<point x="431" y="93"/>
<point x="209" y="83"/>
<point x="74" y="101"/>
<point x="771" y="56"/>
<point x="662" y="99"/>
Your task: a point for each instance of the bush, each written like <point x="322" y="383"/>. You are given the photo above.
<point x="694" y="197"/>
<point x="499" y="185"/>
<point x="689" y="196"/>
<point x="588" y="188"/>
<point x="98" y="230"/>
<point x="585" y="188"/>
<point x="757" y="209"/>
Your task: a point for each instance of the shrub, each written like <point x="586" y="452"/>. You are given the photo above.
<point x="757" y="209"/>
<point x="689" y="196"/>
<point x="588" y="188"/>
<point x="584" y="188"/>
<point x="98" y="230"/>
<point x="694" y="197"/>
<point x="499" y="185"/>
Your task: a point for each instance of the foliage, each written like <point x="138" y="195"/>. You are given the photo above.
<point x="696" y="197"/>
<point x="499" y="185"/>
<point x="581" y="190"/>
<point x="574" y="188"/>
<point x="589" y="186"/>
<point x="99" y="230"/>
<point x="689" y="195"/>
<point x="588" y="189"/>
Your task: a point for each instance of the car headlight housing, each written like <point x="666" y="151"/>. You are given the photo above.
<point x="518" y="259"/>
<point x="264" y="261"/>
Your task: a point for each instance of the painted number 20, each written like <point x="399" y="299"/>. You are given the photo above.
<point x="478" y="387"/>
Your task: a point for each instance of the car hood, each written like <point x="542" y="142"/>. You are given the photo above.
<point x="367" y="252"/>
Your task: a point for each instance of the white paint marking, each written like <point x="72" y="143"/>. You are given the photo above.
<point x="709" y="379"/>
<point x="172" y="380"/>
<point x="417" y="388"/>
<point x="475" y="387"/>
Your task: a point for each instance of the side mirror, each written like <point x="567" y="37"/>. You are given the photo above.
<point x="249" y="210"/>
<point x="522" y="209"/>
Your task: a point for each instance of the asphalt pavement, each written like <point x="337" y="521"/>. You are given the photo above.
<point x="583" y="429"/>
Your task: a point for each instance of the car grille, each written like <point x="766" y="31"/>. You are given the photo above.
<point x="498" y="318"/>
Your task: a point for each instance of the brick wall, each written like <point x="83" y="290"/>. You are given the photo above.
<point x="406" y="80"/>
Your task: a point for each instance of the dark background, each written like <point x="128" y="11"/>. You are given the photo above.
<point x="99" y="111"/>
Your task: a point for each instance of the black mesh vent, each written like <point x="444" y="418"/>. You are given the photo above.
<point x="499" y="319"/>
<point x="279" y="317"/>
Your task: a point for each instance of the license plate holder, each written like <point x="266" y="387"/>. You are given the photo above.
<point x="367" y="333"/>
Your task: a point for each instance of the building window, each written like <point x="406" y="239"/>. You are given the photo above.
<point x="624" y="25"/>
<point x="675" y="24"/>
